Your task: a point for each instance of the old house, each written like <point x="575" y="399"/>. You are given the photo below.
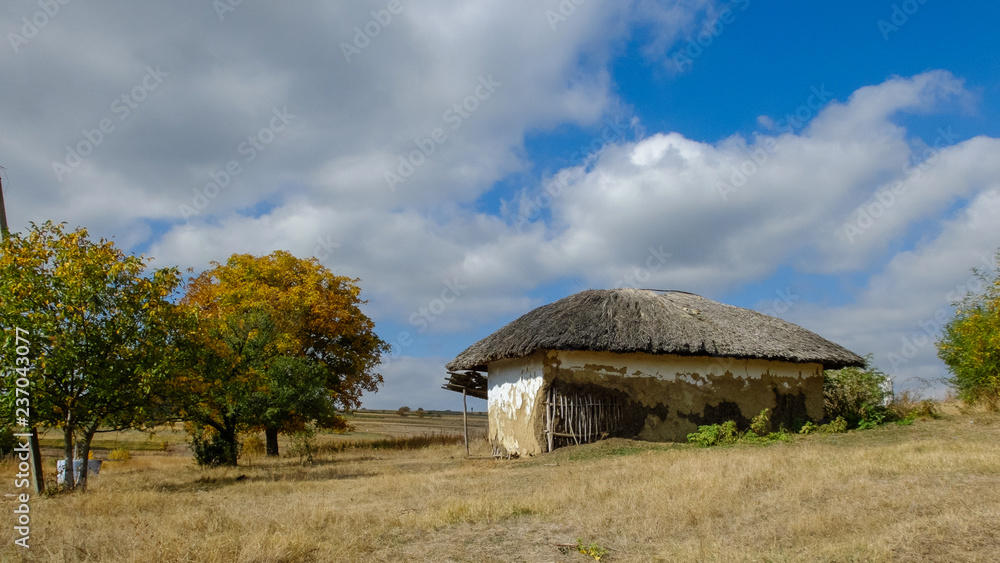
<point x="641" y="363"/>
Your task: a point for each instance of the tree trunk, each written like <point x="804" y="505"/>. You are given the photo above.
<point x="271" y="436"/>
<point x="68" y="456"/>
<point x="232" y="444"/>
<point x="85" y="456"/>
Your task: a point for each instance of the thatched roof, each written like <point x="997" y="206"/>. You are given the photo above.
<point x="655" y="322"/>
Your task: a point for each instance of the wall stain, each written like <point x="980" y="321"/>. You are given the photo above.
<point x="658" y="408"/>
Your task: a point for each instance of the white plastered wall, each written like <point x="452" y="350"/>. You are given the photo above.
<point x="515" y="388"/>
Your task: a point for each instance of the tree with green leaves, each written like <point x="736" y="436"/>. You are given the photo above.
<point x="100" y="329"/>
<point x="970" y="342"/>
<point x="856" y="393"/>
<point x="282" y="343"/>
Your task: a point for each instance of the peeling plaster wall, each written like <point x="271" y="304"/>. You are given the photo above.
<point x="515" y="399"/>
<point x="675" y="394"/>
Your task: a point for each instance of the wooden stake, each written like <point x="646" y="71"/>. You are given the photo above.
<point x="549" y="411"/>
<point x="3" y="213"/>
<point x="465" y="424"/>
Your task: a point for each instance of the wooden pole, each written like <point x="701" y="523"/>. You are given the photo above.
<point x="465" y="424"/>
<point x="37" y="478"/>
<point x="551" y="411"/>
<point x="3" y="213"/>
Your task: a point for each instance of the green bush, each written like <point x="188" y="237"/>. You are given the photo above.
<point x="837" y="426"/>
<point x="7" y="442"/>
<point x="304" y="444"/>
<point x="857" y="394"/>
<point x="968" y="345"/>
<point x="761" y="424"/>
<point x="808" y="428"/>
<point x="727" y="433"/>
<point x="872" y="419"/>
<point x="715" y="434"/>
<point x="593" y="549"/>
<point x="213" y="451"/>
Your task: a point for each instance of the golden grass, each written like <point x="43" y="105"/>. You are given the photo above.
<point x="926" y="492"/>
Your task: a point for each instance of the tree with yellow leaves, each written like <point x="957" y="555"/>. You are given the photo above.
<point x="970" y="345"/>
<point x="282" y="343"/>
<point x="97" y="331"/>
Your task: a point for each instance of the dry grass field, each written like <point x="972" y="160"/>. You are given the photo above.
<point x="925" y="492"/>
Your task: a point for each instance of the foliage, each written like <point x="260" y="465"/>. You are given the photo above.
<point x="715" y="434"/>
<point x="872" y="420"/>
<point x="420" y="413"/>
<point x="970" y="343"/>
<point x="727" y="432"/>
<point x="7" y="442"/>
<point x="281" y="343"/>
<point x="119" y="454"/>
<point x="212" y="450"/>
<point x="304" y="444"/>
<point x="403" y="411"/>
<point x="808" y="428"/>
<point x="856" y="394"/>
<point x="907" y="406"/>
<point x="253" y="447"/>
<point x="592" y="549"/>
<point x="294" y="394"/>
<point x="836" y="426"/>
<point x="100" y="331"/>
<point x="761" y="424"/>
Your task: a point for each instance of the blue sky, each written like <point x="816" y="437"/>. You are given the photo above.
<point x="599" y="147"/>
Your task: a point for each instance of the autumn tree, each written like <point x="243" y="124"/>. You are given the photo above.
<point x="284" y="343"/>
<point x="970" y="343"/>
<point x="99" y="330"/>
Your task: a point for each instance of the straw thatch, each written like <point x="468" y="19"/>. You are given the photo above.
<point x="654" y="322"/>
